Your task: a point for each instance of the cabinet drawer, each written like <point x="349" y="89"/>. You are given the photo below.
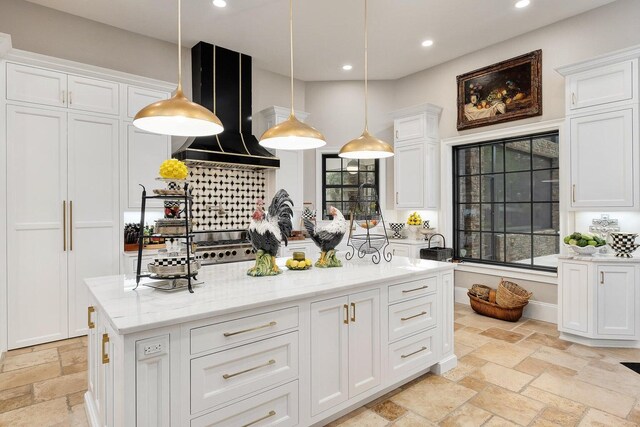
<point x="412" y="354"/>
<point x="416" y="288"/>
<point x="603" y="85"/>
<point x="138" y="98"/>
<point x="229" y="374"/>
<point x="411" y="316"/>
<point x="240" y="330"/>
<point x="274" y="407"/>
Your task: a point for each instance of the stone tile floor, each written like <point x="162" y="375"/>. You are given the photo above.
<point x="508" y="374"/>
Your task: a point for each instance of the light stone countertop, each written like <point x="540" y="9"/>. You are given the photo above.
<point x="228" y="289"/>
<point x="600" y="258"/>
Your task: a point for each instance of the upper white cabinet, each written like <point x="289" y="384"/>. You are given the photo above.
<point x="138" y="98"/>
<point x="145" y="152"/>
<point x="598" y="301"/>
<point x="603" y="159"/>
<point x="46" y="87"/>
<point x="417" y="157"/>
<point x="602" y="127"/>
<point x="602" y="85"/>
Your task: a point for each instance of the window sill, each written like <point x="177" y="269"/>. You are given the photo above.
<point x="509" y="272"/>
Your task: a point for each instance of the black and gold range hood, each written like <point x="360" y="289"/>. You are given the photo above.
<point x="222" y="83"/>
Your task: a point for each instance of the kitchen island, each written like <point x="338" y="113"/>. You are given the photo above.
<point x="298" y="349"/>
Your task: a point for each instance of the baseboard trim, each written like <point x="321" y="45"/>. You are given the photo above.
<point x="537" y="310"/>
<point x="445" y="365"/>
<point x="593" y="342"/>
<point x="90" y="409"/>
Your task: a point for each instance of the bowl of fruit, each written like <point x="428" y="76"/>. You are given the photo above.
<point x="299" y="262"/>
<point x="584" y="243"/>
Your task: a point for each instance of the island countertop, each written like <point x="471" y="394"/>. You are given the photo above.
<point x="227" y="288"/>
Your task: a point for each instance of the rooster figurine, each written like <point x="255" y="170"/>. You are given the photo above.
<point x="328" y="237"/>
<point x="267" y="230"/>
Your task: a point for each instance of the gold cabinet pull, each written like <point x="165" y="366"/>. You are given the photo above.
<point x="602" y="277"/>
<point x="64" y="225"/>
<point x="90" y="324"/>
<point x="353" y="311"/>
<point x="63" y="97"/>
<point x="244" y="331"/>
<point x="70" y="98"/>
<point x="406" y="291"/>
<point x="573" y="193"/>
<point x="573" y="98"/>
<point x="269" y="363"/>
<point x="105" y="356"/>
<point x="404" y="356"/>
<point x="269" y="415"/>
<point x="346" y="314"/>
<point x="70" y="225"/>
<point x="414" y="316"/>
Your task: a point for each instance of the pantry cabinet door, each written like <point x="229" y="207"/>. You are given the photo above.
<point x="93" y="209"/>
<point x="364" y="341"/>
<point x="36" y="85"/>
<point x="603" y="160"/>
<point x="36" y="226"/>
<point x="145" y="153"/>
<point x="329" y="353"/>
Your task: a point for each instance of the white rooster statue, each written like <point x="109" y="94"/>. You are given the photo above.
<point x="267" y="230"/>
<point x="327" y="237"/>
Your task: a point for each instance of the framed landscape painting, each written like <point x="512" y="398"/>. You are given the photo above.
<point x="508" y="90"/>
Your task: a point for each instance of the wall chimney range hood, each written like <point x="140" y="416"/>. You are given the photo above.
<point x="222" y="83"/>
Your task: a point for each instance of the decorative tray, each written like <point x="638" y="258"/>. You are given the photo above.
<point x="171" y="226"/>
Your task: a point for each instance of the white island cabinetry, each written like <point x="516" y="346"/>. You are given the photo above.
<point x="298" y="349"/>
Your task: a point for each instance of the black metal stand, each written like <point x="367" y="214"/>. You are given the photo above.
<point x="366" y="210"/>
<point x="188" y="236"/>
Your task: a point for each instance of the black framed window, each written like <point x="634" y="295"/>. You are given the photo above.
<point x="506" y="202"/>
<point x="341" y="178"/>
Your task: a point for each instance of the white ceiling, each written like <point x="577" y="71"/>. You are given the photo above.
<point x="329" y="33"/>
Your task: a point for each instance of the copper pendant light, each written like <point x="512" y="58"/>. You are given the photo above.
<point x="292" y="134"/>
<point x="366" y="146"/>
<point x="177" y="115"/>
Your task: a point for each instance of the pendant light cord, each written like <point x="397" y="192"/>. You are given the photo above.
<point x="291" y="50"/>
<point x="179" y="48"/>
<point x="366" y="71"/>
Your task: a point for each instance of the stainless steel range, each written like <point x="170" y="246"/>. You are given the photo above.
<point x="218" y="247"/>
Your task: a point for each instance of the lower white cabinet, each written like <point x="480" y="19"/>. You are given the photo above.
<point x="598" y="301"/>
<point x="345" y="350"/>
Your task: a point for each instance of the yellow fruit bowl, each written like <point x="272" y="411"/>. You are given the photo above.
<point x="299" y="265"/>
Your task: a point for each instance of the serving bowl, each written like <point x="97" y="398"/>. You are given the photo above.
<point x="624" y="244"/>
<point x="397" y="229"/>
<point x="586" y="250"/>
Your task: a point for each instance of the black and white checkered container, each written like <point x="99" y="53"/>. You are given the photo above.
<point x="396" y="227"/>
<point x="174" y="265"/>
<point x="624" y="244"/>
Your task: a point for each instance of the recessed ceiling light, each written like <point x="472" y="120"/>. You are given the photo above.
<point x="522" y="3"/>
<point x="427" y="43"/>
<point x="219" y="3"/>
<point x="347" y="67"/>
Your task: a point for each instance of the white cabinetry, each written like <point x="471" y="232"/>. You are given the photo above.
<point x="603" y="130"/>
<point x="64" y="139"/>
<point x="46" y="87"/>
<point x="417" y="157"/>
<point x="63" y="201"/>
<point x="307" y="246"/>
<point x="345" y="348"/>
<point x="598" y="301"/>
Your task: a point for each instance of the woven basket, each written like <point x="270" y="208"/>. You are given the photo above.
<point x="480" y="291"/>
<point x="510" y="294"/>
<point x="485" y="308"/>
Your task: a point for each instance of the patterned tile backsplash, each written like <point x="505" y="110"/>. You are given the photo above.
<point x="224" y="199"/>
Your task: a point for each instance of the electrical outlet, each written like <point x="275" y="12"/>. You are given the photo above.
<point x="152" y="348"/>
